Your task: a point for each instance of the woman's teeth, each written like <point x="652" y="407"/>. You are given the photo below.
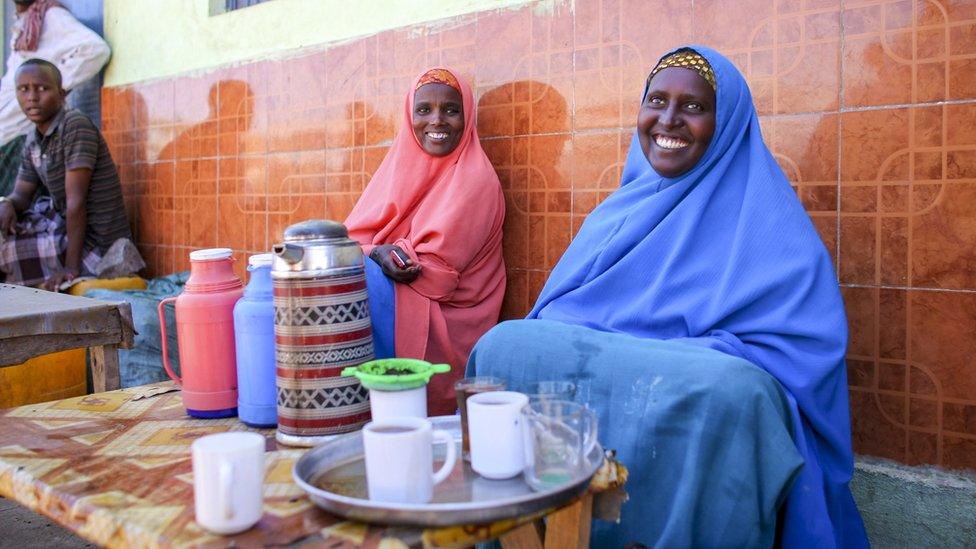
<point x="669" y="142"/>
<point x="437" y="136"/>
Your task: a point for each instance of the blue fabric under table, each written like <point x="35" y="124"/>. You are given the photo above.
<point x="706" y="436"/>
<point x="382" y="309"/>
<point x="143" y="363"/>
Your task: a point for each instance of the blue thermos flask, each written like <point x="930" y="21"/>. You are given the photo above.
<point x="255" y="343"/>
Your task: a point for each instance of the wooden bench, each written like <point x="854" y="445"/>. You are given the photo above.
<point x="37" y="322"/>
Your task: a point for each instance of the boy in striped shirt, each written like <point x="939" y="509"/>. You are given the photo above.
<point x="79" y="212"/>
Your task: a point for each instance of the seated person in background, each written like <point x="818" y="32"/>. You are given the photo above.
<point x="698" y="312"/>
<point x="44" y="29"/>
<point x="436" y="202"/>
<point x="56" y="238"/>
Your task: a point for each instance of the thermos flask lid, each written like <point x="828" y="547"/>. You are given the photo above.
<point x="260" y="260"/>
<point x="315" y="229"/>
<point x="210" y="254"/>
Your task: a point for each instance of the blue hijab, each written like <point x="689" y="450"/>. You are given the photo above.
<point x="724" y="256"/>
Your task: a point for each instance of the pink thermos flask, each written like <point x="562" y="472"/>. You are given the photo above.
<point x="205" y="332"/>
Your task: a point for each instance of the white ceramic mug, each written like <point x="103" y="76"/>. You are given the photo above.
<point x="400" y="457"/>
<point x="495" y="427"/>
<point x="390" y="404"/>
<point x="228" y="476"/>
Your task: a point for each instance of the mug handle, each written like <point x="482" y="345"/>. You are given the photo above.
<point x="162" y="333"/>
<point x="226" y="476"/>
<point x="445" y="470"/>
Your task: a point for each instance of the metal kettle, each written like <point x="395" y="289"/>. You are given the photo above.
<point x="316" y="247"/>
<point x="322" y="326"/>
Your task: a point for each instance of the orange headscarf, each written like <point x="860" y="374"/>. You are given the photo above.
<point x="447" y="214"/>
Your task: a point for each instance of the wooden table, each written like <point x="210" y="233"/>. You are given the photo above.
<point x="37" y="322"/>
<point x="115" y="468"/>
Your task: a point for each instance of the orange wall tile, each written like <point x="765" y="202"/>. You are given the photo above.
<point x="868" y="105"/>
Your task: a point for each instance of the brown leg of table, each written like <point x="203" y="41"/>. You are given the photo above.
<point x="105" y="368"/>
<point x="527" y="536"/>
<point x="569" y="527"/>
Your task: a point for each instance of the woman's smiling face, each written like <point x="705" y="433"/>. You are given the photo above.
<point x="438" y="118"/>
<point x="676" y="120"/>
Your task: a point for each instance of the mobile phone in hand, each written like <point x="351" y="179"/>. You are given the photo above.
<point x="399" y="258"/>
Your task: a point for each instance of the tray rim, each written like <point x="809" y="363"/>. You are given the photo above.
<point x="563" y="494"/>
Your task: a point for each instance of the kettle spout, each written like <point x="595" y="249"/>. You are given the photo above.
<point x="290" y="253"/>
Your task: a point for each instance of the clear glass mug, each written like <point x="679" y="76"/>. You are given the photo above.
<point x="552" y="390"/>
<point x="464" y="389"/>
<point x="559" y="435"/>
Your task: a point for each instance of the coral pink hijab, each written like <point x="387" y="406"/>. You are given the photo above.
<point x="447" y="214"/>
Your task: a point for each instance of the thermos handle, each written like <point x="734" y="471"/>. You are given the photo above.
<point x="162" y="332"/>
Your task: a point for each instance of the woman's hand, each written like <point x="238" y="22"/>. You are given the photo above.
<point x="405" y="274"/>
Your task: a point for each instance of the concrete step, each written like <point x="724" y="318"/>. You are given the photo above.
<point x="914" y="507"/>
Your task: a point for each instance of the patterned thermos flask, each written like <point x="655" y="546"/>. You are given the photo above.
<point x="322" y="325"/>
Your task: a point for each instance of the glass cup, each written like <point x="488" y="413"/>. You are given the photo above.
<point x="552" y="390"/>
<point x="464" y="389"/>
<point x="559" y="436"/>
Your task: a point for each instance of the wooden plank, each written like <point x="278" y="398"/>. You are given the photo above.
<point x="527" y="536"/>
<point x="105" y="368"/>
<point x="35" y="322"/>
<point x="29" y="311"/>
<point x="570" y="526"/>
<point x="17" y="350"/>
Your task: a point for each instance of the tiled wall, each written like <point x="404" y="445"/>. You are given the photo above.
<point x="870" y="107"/>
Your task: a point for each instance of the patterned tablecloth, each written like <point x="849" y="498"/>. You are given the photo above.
<point x="115" y="467"/>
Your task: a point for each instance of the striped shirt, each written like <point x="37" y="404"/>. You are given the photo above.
<point x="73" y="142"/>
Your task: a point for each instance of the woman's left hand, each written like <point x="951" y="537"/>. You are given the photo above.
<point x="406" y="274"/>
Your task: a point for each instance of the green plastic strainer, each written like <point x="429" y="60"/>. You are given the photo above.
<point x="408" y="373"/>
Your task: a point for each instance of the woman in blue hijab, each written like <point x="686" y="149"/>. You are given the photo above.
<point x="699" y="314"/>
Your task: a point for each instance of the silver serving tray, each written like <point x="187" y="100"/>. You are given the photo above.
<point x="333" y="475"/>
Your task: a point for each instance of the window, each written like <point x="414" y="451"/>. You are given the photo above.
<point x="223" y="6"/>
<point x="238" y="4"/>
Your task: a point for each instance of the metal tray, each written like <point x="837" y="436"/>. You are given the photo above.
<point x="333" y="474"/>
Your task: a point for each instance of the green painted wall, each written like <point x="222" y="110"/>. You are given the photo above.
<point x="156" y="38"/>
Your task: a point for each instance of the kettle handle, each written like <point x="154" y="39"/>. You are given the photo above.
<point x="162" y="333"/>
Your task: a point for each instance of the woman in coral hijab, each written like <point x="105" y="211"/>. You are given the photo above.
<point x="430" y="222"/>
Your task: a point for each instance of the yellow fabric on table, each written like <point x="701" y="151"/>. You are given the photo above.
<point x="121" y="283"/>
<point x="58" y="375"/>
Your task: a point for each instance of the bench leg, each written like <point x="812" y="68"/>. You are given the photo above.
<point x="569" y="527"/>
<point x="105" y="368"/>
<point x="527" y="536"/>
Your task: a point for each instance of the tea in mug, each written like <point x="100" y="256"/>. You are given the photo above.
<point x="392" y="429"/>
<point x="464" y="389"/>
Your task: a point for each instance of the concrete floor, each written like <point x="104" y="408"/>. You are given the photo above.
<point x="20" y="527"/>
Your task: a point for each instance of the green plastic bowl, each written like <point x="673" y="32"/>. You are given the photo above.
<point x="373" y="374"/>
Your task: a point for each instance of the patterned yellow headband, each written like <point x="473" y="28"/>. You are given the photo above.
<point x="687" y="59"/>
<point x="439" y="76"/>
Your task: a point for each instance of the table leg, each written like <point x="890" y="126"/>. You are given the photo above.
<point x="105" y="368"/>
<point x="527" y="536"/>
<point x="569" y="527"/>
